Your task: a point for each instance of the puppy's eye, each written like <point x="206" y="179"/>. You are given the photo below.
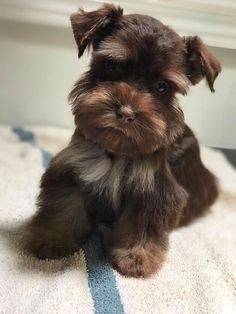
<point x="162" y="87"/>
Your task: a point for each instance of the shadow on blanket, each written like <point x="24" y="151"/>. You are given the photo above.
<point x="13" y="234"/>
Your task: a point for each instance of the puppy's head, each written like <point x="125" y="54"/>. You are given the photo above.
<point x="126" y="101"/>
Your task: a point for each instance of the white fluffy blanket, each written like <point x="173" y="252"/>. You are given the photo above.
<point x="198" y="277"/>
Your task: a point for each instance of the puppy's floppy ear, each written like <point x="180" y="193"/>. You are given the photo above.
<point x="88" y="25"/>
<point x="200" y="62"/>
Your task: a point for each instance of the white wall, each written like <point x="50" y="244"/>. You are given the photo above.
<point x="39" y="64"/>
<point x="38" y="67"/>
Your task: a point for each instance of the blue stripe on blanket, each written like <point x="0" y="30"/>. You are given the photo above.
<point x="28" y="136"/>
<point x="101" y="278"/>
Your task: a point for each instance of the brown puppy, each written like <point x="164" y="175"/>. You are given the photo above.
<point x="132" y="164"/>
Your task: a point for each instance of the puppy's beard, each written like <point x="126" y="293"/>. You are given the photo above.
<point x="95" y="117"/>
<point x="115" y="141"/>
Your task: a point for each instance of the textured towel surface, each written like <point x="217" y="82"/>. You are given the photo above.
<point x="198" y="277"/>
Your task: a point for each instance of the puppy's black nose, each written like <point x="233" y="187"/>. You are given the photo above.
<point x="125" y="114"/>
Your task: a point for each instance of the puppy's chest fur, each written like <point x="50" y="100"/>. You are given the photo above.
<point x="110" y="176"/>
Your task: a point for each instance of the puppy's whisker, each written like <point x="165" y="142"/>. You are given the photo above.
<point x="142" y="126"/>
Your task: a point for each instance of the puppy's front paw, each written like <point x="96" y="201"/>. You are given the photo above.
<point x="49" y="250"/>
<point x="45" y="245"/>
<point x="136" y="262"/>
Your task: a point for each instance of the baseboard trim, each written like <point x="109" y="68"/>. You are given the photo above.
<point x="214" y="21"/>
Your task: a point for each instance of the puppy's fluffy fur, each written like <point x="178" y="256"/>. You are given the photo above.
<point x="132" y="165"/>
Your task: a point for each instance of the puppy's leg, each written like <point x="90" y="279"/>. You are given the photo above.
<point x="61" y="222"/>
<point x="188" y="169"/>
<point x="137" y="244"/>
